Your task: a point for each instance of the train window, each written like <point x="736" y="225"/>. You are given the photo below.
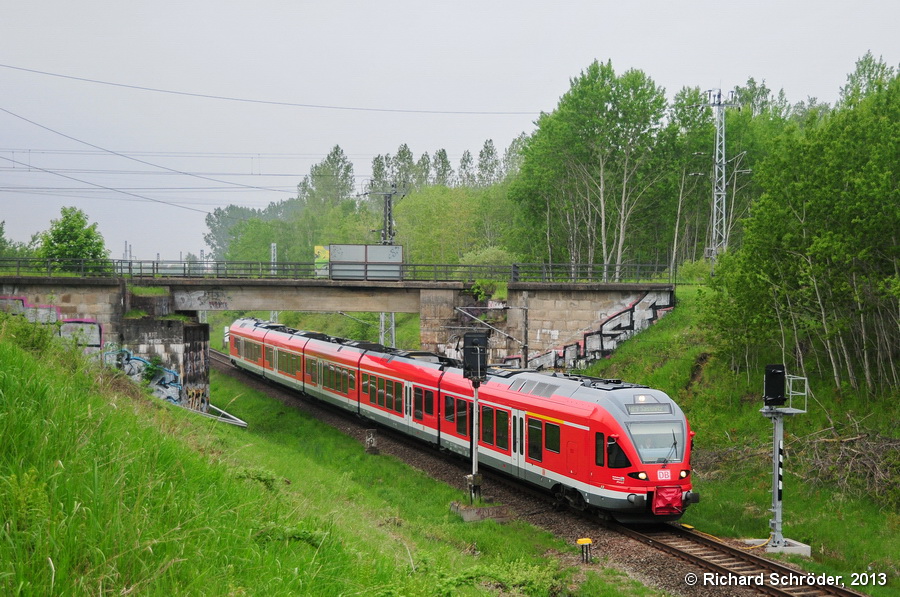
<point x="345" y="381"/>
<point x="502" y="429"/>
<point x="429" y="402"/>
<point x="418" y="400"/>
<point x="535" y="439"/>
<point x="487" y="425"/>
<point x="551" y="437"/>
<point x="352" y="380"/>
<point x="365" y="384"/>
<point x="600" y="447"/>
<point x="398" y="397"/>
<point x="658" y="442"/>
<point x="462" y="419"/>
<point x="270" y="356"/>
<point x="616" y="455"/>
<point x="389" y="394"/>
<point x="449" y="410"/>
<point x="521" y="435"/>
<point x="311" y="369"/>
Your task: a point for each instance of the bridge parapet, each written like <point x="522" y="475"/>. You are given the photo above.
<point x="545" y="273"/>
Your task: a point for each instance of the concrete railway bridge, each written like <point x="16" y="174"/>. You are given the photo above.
<point x="561" y="324"/>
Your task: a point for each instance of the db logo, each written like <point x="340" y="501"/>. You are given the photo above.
<point x="663" y="474"/>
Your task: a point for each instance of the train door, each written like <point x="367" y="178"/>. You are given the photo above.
<point x="421" y="417"/>
<point x="407" y="408"/>
<point x="518" y="443"/>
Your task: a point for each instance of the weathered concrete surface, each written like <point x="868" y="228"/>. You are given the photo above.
<point x="78" y="302"/>
<point x="568" y="324"/>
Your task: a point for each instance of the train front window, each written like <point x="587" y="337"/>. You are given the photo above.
<point x="658" y="442"/>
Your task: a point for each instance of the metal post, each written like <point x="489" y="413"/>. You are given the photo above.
<point x="525" y="343"/>
<point x="273" y="259"/>
<point x="777" y="479"/>
<point x="393" y="329"/>
<point x="475" y="429"/>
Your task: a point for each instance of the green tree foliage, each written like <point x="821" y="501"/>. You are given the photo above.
<point x="10" y="248"/>
<point x="329" y="182"/>
<point x="687" y="139"/>
<point x="325" y="211"/>
<point x="71" y="237"/>
<point x="869" y="76"/>
<point x="423" y="227"/>
<point x="488" y="171"/>
<point x="817" y="274"/>
<point x="219" y="224"/>
<point x="591" y="162"/>
<point x="441" y="168"/>
<point x="465" y="174"/>
<point x="512" y="157"/>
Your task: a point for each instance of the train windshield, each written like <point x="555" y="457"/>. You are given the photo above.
<point x="658" y="442"/>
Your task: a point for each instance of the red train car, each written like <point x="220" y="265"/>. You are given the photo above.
<point x="594" y="443"/>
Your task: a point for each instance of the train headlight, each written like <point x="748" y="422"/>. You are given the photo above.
<point x="683" y="474"/>
<point x="639" y="475"/>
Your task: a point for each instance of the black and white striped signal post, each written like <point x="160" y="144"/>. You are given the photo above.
<point x="774" y="408"/>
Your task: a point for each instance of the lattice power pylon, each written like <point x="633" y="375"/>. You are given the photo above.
<point x="719" y="219"/>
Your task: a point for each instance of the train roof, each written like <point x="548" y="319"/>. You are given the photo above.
<point x="372" y="347"/>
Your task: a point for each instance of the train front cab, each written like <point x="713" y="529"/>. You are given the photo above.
<point x="646" y="464"/>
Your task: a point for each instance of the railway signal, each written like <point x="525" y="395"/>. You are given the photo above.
<point x="475" y="351"/>
<point x="779" y="392"/>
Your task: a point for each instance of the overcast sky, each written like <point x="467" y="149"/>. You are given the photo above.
<point x="89" y="118"/>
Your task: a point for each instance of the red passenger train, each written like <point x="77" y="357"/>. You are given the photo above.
<point x="594" y="443"/>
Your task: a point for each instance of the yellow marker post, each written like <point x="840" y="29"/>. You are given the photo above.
<point x="585" y="544"/>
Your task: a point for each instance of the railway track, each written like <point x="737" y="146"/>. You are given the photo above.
<point x="730" y="566"/>
<point x="711" y="566"/>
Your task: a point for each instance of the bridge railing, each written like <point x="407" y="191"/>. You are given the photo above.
<point x="518" y="272"/>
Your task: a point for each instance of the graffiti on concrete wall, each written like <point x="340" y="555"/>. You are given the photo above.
<point x="164" y="383"/>
<point x="214" y="299"/>
<point x="86" y="332"/>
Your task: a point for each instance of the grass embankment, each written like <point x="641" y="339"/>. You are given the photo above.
<point x="104" y="489"/>
<point x="849" y="529"/>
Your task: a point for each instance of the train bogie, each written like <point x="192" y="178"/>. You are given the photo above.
<point x="604" y="444"/>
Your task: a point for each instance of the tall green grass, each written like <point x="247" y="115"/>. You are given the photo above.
<point x="105" y="490"/>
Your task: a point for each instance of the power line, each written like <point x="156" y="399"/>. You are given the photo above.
<point x="270" y="102"/>
<point x="127" y="157"/>
<point x="243" y="155"/>
<point x="202" y="175"/>
<point x="93" y="184"/>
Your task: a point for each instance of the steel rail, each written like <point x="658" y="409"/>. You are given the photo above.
<point x="727" y="561"/>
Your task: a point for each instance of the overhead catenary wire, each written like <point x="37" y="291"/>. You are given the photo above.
<point x="100" y="186"/>
<point x="138" y="160"/>
<point x="273" y="102"/>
